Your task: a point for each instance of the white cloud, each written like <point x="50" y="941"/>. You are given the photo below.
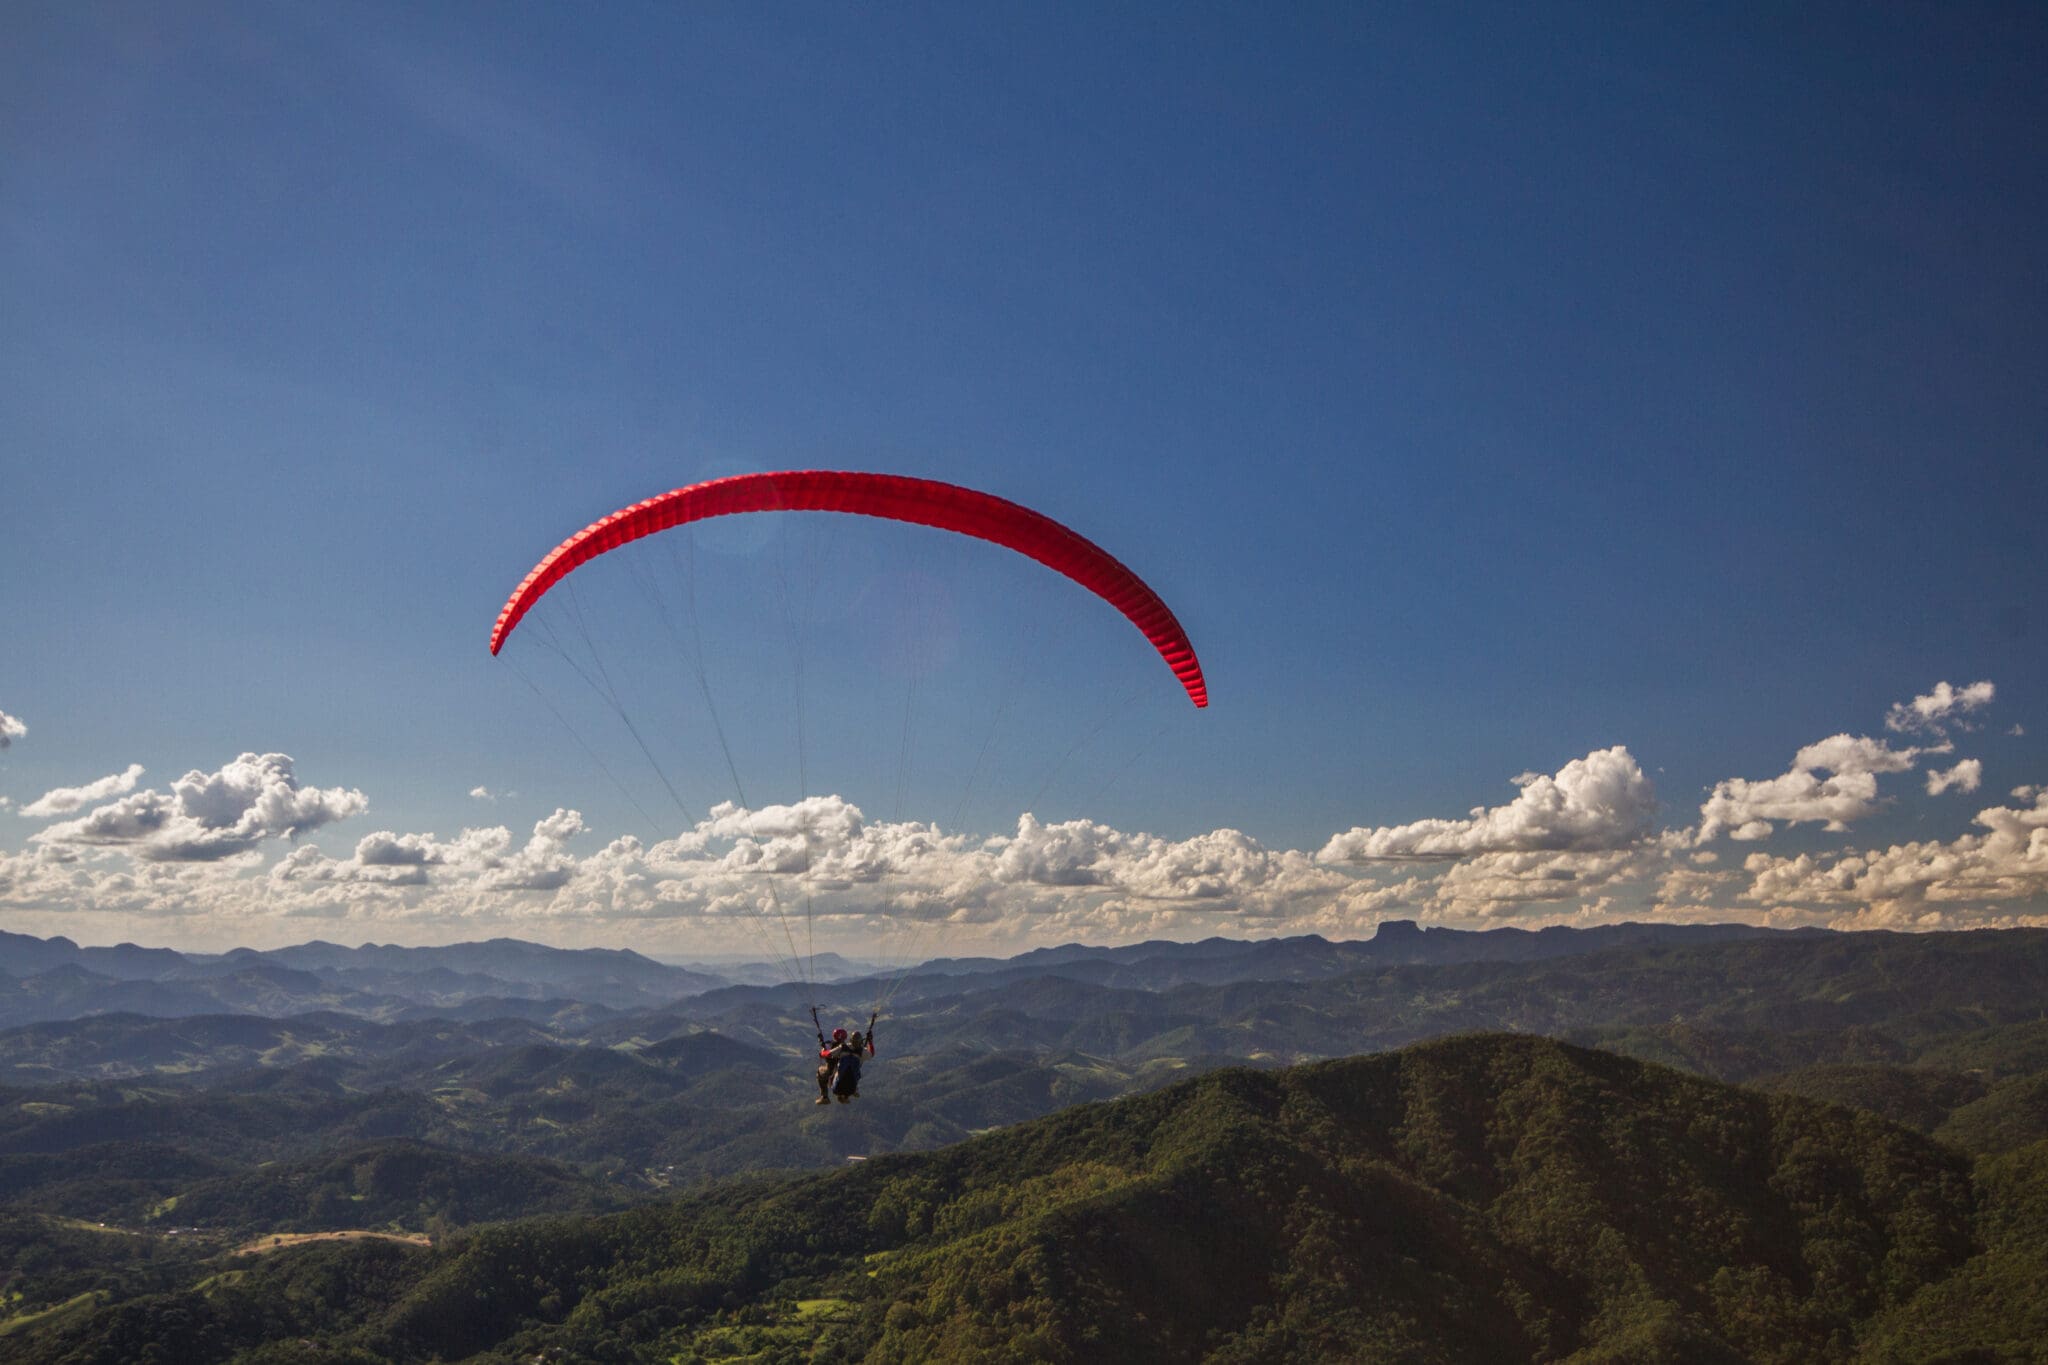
<point x="822" y="865"/>
<point x="1966" y="776"/>
<point x="1692" y="886"/>
<point x="1748" y="810"/>
<point x="1224" y="865"/>
<point x="1495" y="884"/>
<point x="1945" y="704"/>
<point x="542" y="864"/>
<point x="794" y="838"/>
<point x="11" y="729"/>
<point x="308" y="864"/>
<point x="65" y="800"/>
<point x="2008" y="862"/>
<point x="476" y="859"/>
<point x="209" y="816"/>
<point x="1569" y="847"/>
<point x="482" y="794"/>
<point x="1601" y="801"/>
<point x="385" y="849"/>
<point x="1072" y="853"/>
<point x="1847" y="754"/>
<point x="1910" y="919"/>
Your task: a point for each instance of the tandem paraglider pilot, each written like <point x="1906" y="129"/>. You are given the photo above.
<point x="839" y="1059"/>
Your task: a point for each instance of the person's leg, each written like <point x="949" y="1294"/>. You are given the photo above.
<point x="825" y="1085"/>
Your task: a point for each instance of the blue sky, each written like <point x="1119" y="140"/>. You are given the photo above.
<point x="1486" y="388"/>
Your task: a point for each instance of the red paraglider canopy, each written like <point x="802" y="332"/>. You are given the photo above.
<point x="925" y="502"/>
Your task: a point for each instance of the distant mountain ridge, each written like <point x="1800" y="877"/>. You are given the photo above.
<point x="818" y="966"/>
<point x="26" y="955"/>
<point x="47" y="979"/>
<point x="1162" y="964"/>
<point x="1396" y="941"/>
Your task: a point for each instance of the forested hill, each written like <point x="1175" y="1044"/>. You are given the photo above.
<point x="1490" y="1198"/>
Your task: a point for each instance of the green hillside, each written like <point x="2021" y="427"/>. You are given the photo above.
<point x="662" y="1099"/>
<point x="1480" y="1198"/>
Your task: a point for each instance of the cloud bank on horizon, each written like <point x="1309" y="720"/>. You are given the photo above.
<point x="1579" y="845"/>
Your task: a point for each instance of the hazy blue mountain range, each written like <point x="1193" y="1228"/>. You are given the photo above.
<point x="43" y="979"/>
<point x="818" y="966"/>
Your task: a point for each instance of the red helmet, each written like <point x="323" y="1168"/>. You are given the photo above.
<point x="839" y="1035"/>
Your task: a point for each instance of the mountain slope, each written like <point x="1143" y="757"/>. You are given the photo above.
<point x="1481" y="1198"/>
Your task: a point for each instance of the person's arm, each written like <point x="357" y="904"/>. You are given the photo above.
<point x="871" y="1031"/>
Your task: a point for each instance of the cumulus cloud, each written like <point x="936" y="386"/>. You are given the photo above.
<point x="385" y="849"/>
<point x="206" y="817"/>
<point x="308" y="865"/>
<point x="1929" y="713"/>
<point x="729" y="879"/>
<point x="1854" y="754"/>
<point x="1965" y="776"/>
<point x="1749" y="810"/>
<point x="1494" y="884"/>
<point x="543" y="863"/>
<point x="1071" y="853"/>
<point x="1224" y="864"/>
<point x="65" y="800"/>
<point x="2007" y="862"/>
<point x="791" y="838"/>
<point x="482" y="794"/>
<point x="826" y="844"/>
<point x="1601" y="801"/>
<point x="1571" y="846"/>
<point x="1834" y="782"/>
<point x="1692" y="886"/>
<point x="737" y="874"/>
<point x="477" y="859"/>
<point x="11" y="729"/>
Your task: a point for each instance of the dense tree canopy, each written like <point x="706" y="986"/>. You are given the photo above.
<point x="1488" y="1197"/>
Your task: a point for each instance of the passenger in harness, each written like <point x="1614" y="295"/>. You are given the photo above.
<point x="840" y="1060"/>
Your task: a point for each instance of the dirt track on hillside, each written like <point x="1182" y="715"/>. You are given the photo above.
<point x="280" y="1240"/>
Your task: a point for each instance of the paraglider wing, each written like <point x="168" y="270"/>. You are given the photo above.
<point x="925" y="502"/>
